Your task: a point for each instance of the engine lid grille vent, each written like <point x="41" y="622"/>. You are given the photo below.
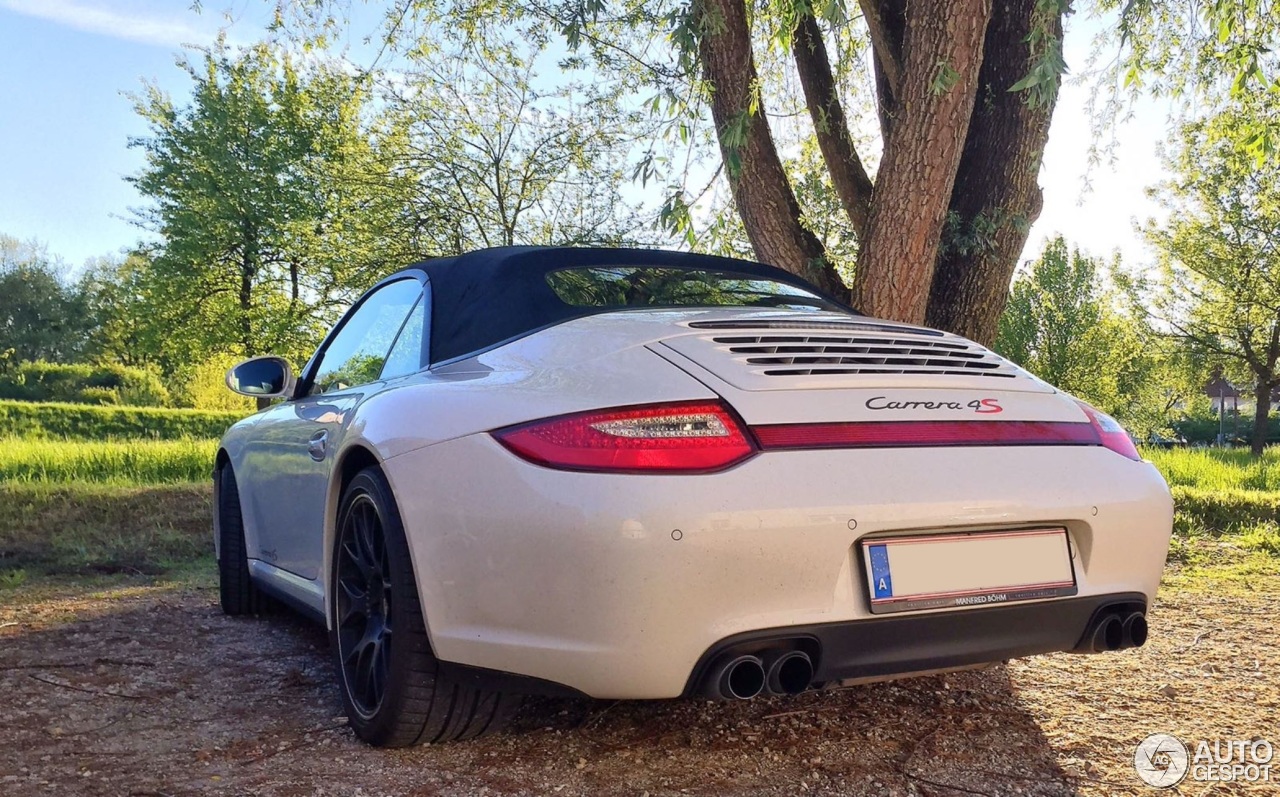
<point x="850" y="326"/>
<point x="807" y="355"/>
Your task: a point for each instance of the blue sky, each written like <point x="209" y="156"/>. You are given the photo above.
<point x="65" y="66"/>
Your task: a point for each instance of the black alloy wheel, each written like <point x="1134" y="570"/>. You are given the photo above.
<point x="364" y="604"/>
<point x="393" y="687"/>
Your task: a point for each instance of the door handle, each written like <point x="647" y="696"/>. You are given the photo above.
<point x="317" y="444"/>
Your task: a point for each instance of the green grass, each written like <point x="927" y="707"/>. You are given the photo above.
<point x="84" y="422"/>
<point x="141" y="508"/>
<point x="133" y="462"/>
<point x="98" y="529"/>
<point x="1218" y="468"/>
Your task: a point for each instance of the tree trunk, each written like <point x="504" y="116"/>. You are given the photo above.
<point x="996" y="196"/>
<point x="246" y="306"/>
<point x="761" y="190"/>
<point x="941" y="57"/>
<point x="1261" y="413"/>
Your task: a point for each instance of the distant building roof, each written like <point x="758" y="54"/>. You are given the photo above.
<point x="1218" y="387"/>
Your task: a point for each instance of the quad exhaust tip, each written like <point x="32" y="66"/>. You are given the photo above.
<point x="790" y="673"/>
<point x="1116" y="632"/>
<point x="741" y="678"/>
<point x="1135" y="630"/>
<point x="778" y="672"/>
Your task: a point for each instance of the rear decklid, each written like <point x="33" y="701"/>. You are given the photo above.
<point x="820" y="367"/>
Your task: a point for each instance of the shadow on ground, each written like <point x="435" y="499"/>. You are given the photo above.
<point x="158" y="693"/>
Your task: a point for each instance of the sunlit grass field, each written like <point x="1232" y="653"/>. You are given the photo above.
<point x="120" y="462"/>
<point x="75" y="507"/>
<point x="1218" y="468"/>
<point x="138" y="462"/>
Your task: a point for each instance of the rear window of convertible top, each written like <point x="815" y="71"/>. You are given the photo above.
<point x="654" y="286"/>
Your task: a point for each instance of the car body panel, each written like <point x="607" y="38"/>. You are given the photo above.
<point x="579" y="578"/>
<point x="618" y="585"/>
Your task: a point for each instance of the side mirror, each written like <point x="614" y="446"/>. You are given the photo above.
<point x="261" y="377"/>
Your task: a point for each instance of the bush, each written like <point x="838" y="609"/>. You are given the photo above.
<point x="204" y="387"/>
<point x="82" y="422"/>
<point x="1203" y="429"/>
<point x="83" y="384"/>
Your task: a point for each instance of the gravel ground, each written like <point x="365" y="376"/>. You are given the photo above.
<point x="149" y="690"/>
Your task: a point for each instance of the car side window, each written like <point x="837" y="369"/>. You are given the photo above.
<point x="406" y="355"/>
<point x="357" y="353"/>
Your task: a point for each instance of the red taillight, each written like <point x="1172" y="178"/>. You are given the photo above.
<point x="685" y="437"/>
<point x="911" y="434"/>
<point x="1110" y="433"/>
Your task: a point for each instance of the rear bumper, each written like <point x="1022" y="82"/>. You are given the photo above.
<point x="622" y="586"/>
<point x="890" y="646"/>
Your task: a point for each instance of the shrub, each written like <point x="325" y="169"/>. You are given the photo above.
<point x="206" y="388"/>
<point x="83" y="384"/>
<point x="96" y="395"/>
<point x="83" y="422"/>
<point x="1203" y="429"/>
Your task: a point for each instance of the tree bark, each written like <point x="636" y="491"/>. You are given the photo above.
<point x="761" y="190"/>
<point x="246" y="308"/>
<point x="996" y="196"/>
<point x="848" y="175"/>
<point x="886" y="22"/>
<point x="941" y="57"/>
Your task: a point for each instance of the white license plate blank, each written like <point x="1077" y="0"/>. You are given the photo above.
<point x="973" y="569"/>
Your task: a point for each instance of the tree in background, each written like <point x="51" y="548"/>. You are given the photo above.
<point x="495" y="161"/>
<point x="1198" y="53"/>
<point x="42" y="317"/>
<point x="1218" y="288"/>
<point x="272" y="201"/>
<point x="960" y="132"/>
<point x="957" y="97"/>
<point x="1064" y="325"/>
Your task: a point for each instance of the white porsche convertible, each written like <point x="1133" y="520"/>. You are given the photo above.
<point x="644" y="474"/>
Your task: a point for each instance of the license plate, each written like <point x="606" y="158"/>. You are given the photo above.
<point x="973" y="569"/>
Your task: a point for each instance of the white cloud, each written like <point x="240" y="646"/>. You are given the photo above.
<point x="154" y="29"/>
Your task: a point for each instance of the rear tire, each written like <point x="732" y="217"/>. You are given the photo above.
<point x="235" y="587"/>
<point x="392" y="686"/>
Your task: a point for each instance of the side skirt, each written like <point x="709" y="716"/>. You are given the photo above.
<point x="298" y="593"/>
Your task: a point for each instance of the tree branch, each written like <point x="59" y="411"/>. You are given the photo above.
<point x="884" y="24"/>
<point x="848" y="175"/>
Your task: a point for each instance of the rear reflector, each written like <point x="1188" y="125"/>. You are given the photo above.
<point x="912" y="434"/>
<point x="684" y="437"/>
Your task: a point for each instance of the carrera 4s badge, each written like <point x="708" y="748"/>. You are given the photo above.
<point x="984" y="406"/>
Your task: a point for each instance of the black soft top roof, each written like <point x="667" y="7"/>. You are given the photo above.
<point x="486" y="297"/>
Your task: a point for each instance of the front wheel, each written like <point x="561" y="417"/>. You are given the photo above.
<point x="392" y="687"/>
<point x="236" y="589"/>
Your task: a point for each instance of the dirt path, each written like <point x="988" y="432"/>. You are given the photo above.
<point x="151" y="691"/>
